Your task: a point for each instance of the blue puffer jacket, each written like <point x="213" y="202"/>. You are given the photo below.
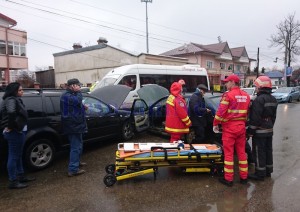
<point x="72" y="112"/>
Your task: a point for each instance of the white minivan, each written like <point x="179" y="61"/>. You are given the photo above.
<point x="138" y="75"/>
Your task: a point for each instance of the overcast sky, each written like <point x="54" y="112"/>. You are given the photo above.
<point x="55" y="25"/>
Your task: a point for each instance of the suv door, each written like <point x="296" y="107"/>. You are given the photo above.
<point x="102" y="120"/>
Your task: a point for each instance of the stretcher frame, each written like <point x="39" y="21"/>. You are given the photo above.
<point x="136" y="162"/>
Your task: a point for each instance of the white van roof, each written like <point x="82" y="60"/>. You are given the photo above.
<point x="187" y="67"/>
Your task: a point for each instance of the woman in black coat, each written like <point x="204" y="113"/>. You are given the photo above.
<point x="14" y="124"/>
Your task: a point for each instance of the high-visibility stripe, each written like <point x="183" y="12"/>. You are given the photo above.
<point x="229" y="163"/>
<point x="253" y="127"/>
<point x="243" y="169"/>
<point x="185" y="119"/>
<point x="187" y="124"/>
<point x="236" y="111"/>
<point x="241" y="118"/>
<point x="228" y="170"/>
<point x="170" y="103"/>
<point x="218" y="118"/>
<point x="177" y="130"/>
<point x="270" y="104"/>
<point x="224" y="102"/>
<point x="243" y="162"/>
<point x="264" y="131"/>
<point x="261" y="168"/>
<point x="269" y="166"/>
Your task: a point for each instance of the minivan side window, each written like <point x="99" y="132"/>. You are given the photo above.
<point x="129" y="80"/>
<point x="158" y="79"/>
<point x="191" y="81"/>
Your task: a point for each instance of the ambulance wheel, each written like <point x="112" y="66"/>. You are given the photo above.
<point x="109" y="180"/>
<point x="110" y="169"/>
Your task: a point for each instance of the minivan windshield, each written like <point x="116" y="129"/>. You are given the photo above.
<point x="107" y="81"/>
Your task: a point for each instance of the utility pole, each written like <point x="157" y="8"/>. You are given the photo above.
<point x="257" y="73"/>
<point x="146" y="1"/>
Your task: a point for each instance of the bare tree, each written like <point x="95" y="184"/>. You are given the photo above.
<point x="25" y="80"/>
<point x="288" y="38"/>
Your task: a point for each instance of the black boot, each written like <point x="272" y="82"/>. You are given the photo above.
<point x="24" y="179"/>
<point x="255" y="177"/>
<point x="226" y="182"/>
<point x="15" y="184"/>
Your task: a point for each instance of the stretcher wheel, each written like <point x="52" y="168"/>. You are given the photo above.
<point x="109" y="180"/>
<point x="110" y="169"/>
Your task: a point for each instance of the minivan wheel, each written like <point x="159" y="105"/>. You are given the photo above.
<point x="127" y="131"/>
<point x="290" y="100"/>
<point x="39" y="154"/>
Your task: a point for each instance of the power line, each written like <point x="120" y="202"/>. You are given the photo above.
<point x="85" y="21"/>
<point x="135" y="41"/>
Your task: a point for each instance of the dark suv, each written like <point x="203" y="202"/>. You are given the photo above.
<point x="44" y="137"/>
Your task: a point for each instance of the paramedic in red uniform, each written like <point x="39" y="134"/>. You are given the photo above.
<point x="177" y="120"/>
<point x="261" y="122"/>
<point x="232" y="115"/>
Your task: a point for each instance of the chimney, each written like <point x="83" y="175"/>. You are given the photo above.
<point x="77" y="46"/>
<point x="102" y="40"/>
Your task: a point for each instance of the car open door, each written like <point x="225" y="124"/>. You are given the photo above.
<point x="140" y="114"/>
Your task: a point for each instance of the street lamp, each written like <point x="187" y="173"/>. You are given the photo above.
<point x="146" y="1"/>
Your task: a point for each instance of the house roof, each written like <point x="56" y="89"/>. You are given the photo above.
<point x="237" y="52"/>
<point x="274" y="74"/>
<point x="8" y="19"/>
<point x="90" y="48"/>
<point x="183" y="50"/>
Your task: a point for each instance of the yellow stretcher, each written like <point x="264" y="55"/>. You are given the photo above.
<point x="135" y="159"/>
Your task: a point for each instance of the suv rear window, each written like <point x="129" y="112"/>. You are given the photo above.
<point x="33" y="105"/>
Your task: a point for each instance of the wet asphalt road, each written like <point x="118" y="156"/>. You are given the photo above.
<point x="172" y="191"/>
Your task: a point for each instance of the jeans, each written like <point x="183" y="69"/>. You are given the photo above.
<point x="15" y="142"/>
<point x="75" y="140"/>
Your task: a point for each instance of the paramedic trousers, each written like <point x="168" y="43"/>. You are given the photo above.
<point x="175" y="137"/>
<point x="263" y="155"/>
<point x="234" y="139"/>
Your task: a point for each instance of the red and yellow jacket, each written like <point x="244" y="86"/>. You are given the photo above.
<point x="177" y="120"/>
<point x="234" y="106"/>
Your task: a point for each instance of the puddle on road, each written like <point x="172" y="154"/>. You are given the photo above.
<point x="232" y="199"/>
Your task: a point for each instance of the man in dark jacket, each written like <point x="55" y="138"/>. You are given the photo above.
<point x="198" y="113"/>
<point x="261" y="121"/>
<point x="73" y="123"/>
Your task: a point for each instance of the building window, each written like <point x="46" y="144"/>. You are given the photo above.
<point x="237" y="67"/>
<point x="15" y="48"/>
<point x="222" y="66"/>
<point x="23" y="50"/>
<point x="209" y="64"/>
<point x="230" y="67"/>
<point x="10" y="48"/>
<point x="2" y="47"/>
<point x="245" y="68"/>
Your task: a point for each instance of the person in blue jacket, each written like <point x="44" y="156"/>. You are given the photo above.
<point x="73" y="124"/>
<point x="198" y="113"/>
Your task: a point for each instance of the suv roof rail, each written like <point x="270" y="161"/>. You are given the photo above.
<point x="41" y="90"/>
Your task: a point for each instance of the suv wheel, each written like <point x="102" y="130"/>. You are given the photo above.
<point x="39" y="154"/>
<point x="127" y="131"/>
